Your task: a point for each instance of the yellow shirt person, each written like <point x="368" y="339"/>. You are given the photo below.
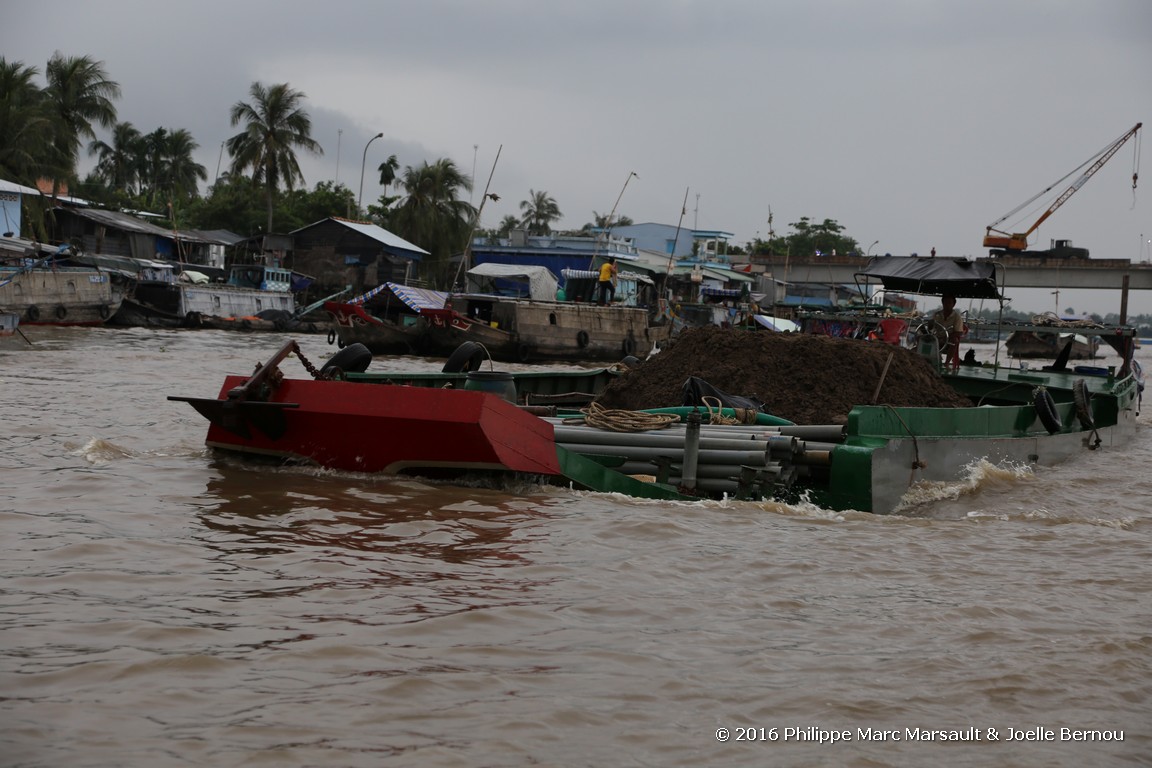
<point x="607" y="282"/>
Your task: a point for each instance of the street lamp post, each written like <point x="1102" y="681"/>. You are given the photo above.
<point x="364" y="160"/>
<point x="869" y="251"/>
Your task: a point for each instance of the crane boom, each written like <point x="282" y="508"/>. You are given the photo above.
<point x="1018" y="241"/>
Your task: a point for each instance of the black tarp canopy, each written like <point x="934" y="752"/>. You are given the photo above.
<point x="928" y="275"/>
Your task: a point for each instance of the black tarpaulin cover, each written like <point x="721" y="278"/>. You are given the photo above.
<point x="934" y="276"/>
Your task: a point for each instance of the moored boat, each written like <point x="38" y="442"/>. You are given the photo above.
<point x="1035" y="344"/>
<point x="36" y="286"/>
<point x="385" y="319"/>
<point x="9" y="323"/>
<point x="531" y="325"/>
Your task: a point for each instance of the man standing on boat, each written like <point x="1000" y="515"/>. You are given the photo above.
<point x="607" y="282"/>
<point x="950" y="325"/>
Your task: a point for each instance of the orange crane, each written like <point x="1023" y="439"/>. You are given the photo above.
<point x="1003" y="241"/>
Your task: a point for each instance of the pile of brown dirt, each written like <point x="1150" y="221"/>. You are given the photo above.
<point x="805" y="378"/>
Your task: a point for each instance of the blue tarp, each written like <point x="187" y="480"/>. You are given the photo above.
<point x="416" y="298"/>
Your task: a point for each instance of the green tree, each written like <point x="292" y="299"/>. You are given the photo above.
<point x="275" y="125"/>
<point x="432" y="215"/>
<point x="172" y="175"/>
<point x="118" y="163"/>
<point x="234" y="203"/>
<point x="540" y="210"/>
<point x="388" y="170"/>
<point x="380" y="211"/>
<point x="808" y="239"/>
<point x="300" y="208"/>
<point x="78" y="94"/>
<point x="600" y="221"/>
<point x="507" y="224"/>
<point x="24" y="124"/>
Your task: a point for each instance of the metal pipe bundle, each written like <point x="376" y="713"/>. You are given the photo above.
<point x="713" y="458"/>
<point x="702" y="471"/>
<point x="659" y="439"/>
<point x="645" y="453"/>
<point x="831" y="433"/>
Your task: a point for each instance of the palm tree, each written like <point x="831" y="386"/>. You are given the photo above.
<point x="600" y="221"/>
<point x="77" y="95"/>
<point x="388" y="170"/>
<point x="432" y="216"/>
<point x="540" y="210"/>
<point x="275" y="124"/>
<point x="151" y="166"/>
<point x="24" y="125"/>
<point x="118" y="163"/>
<point x="182" y="173"/>
<point x="506" y="225"/>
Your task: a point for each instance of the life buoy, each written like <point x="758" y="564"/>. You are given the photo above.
<point x="61" y="311"/>
<point x="354" y="358"/>
<point x="629" y="346"/>
<point x="582" y="339"/>
<point x="331" y="337"/>
<point x="466" y="357"/>
<point x="33" y="312"/>
<point x="1046" y="411"/>
<point x="1083" y="400"/>
<point x="104" y="311"/>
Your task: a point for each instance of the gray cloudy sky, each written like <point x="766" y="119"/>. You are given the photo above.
<point x="912" y="122"/>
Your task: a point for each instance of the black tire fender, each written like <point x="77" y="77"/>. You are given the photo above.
<point x="1046" y="411"/>
<point x="466" y="357"/>
<point x="104" y="311"/>
<point x="332" y="336"/>
<point x="629" y="346"/>
<point x="61" y="311"/>
<point x="1083" y="399"/>
<point x="354" y="358"/>
<point x="582" y="339"/>
<point x="33" y="312"/>
<point x="523" y="352"/>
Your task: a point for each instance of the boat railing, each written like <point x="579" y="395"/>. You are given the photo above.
<point x="1094" y="329"/>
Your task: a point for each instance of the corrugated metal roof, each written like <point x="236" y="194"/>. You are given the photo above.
<point x="120" y="221"/>
<point x="715" y="273"/>
<point x="379" y="234"/>
<point x="216" y="236"/>
<point x="11" y="186"/>
<point x="128" y="223"/>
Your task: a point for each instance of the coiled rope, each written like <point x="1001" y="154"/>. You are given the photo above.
<point x="1052" y="319"/>
<point x="716" y="413"/>
<point x="596" y="415"/>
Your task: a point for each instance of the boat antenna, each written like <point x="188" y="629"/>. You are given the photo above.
<point x="467" y="255"/>
<point x="676" y="237"/>
<point x="607" y="233"/>
<point x="175" y="233"/>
